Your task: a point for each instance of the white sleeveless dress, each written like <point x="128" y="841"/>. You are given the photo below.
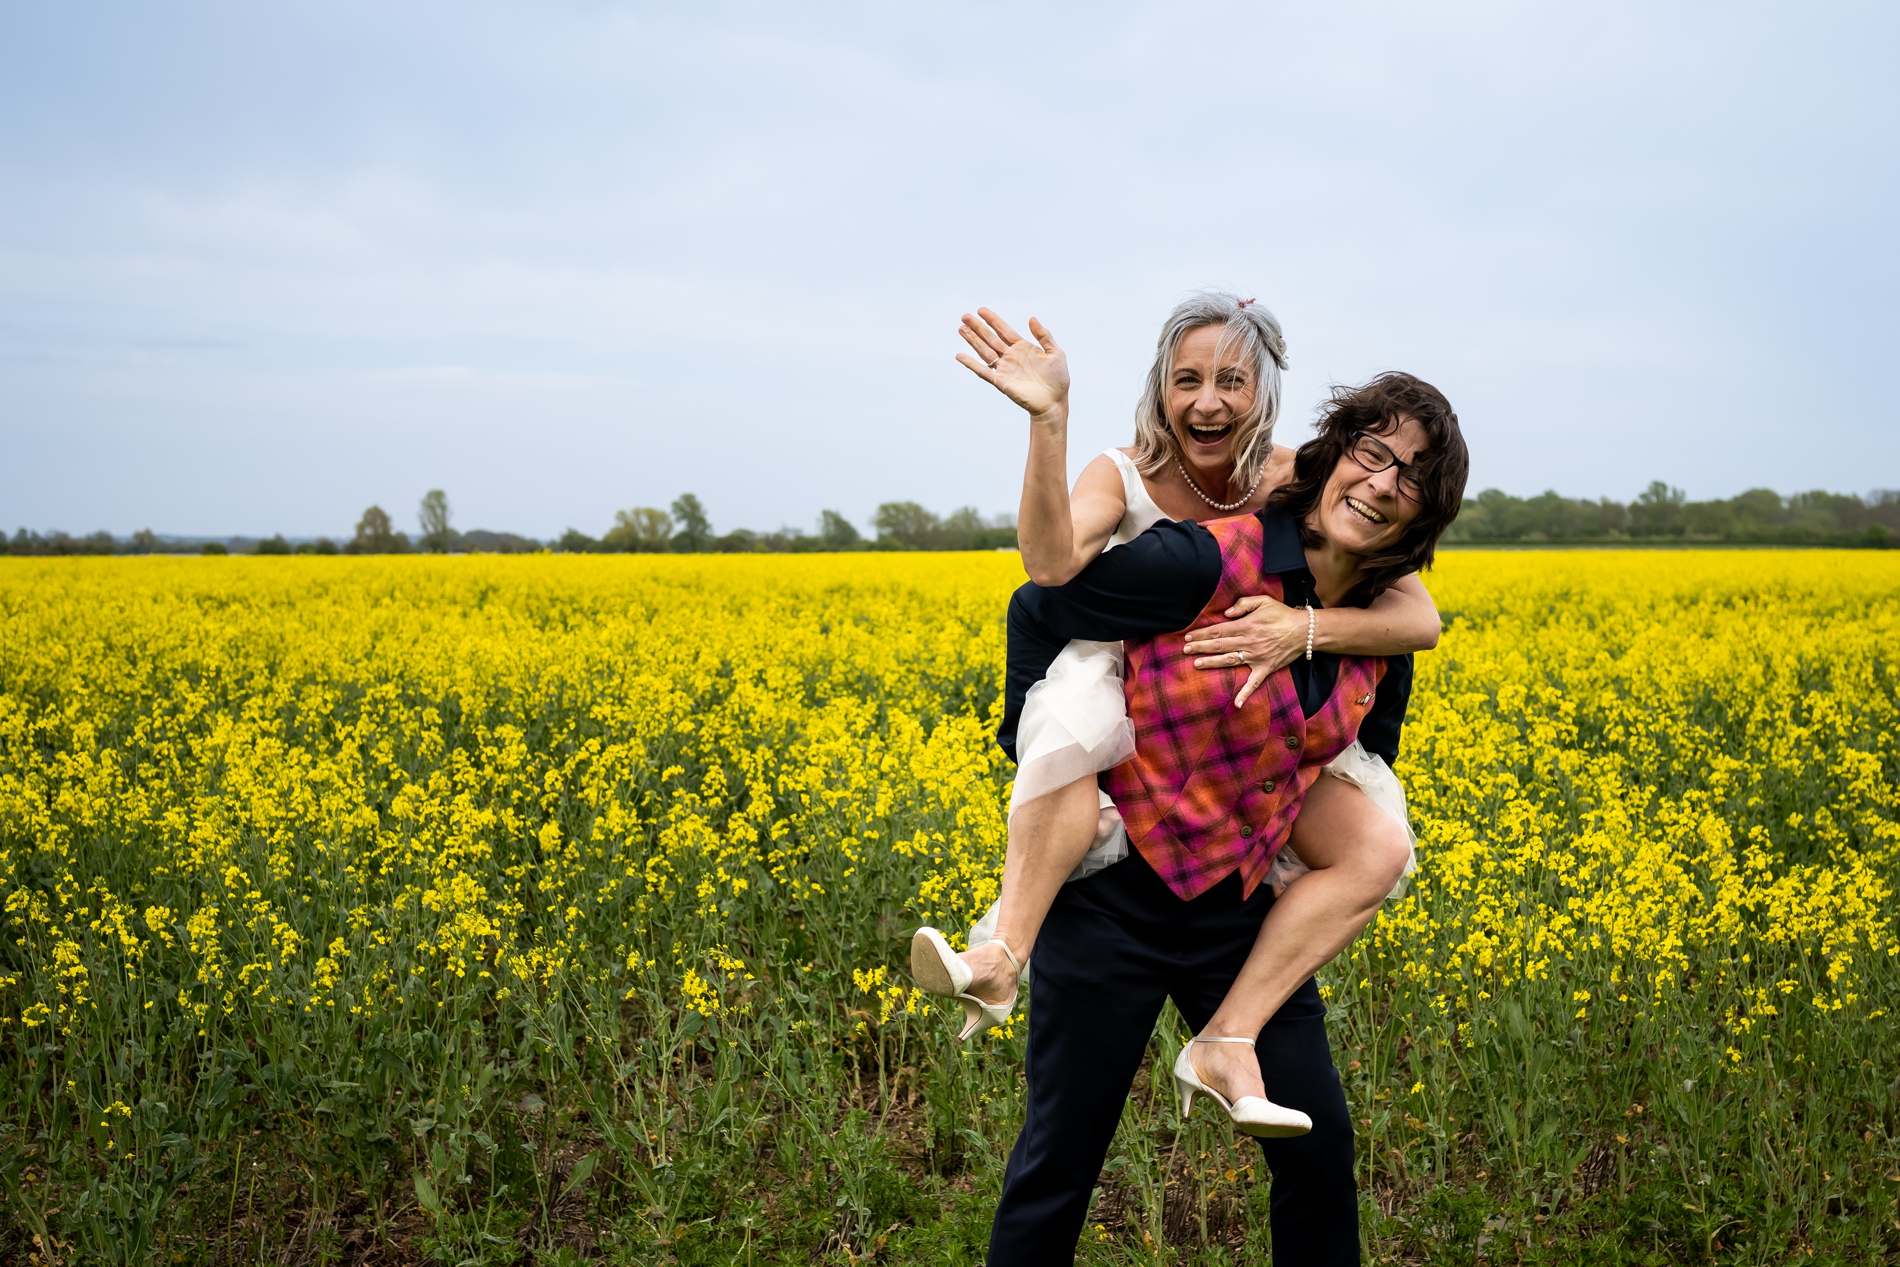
<point x="1075" y="723"/>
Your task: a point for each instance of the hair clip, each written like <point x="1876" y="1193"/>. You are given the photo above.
<point x="1245" y="302"/>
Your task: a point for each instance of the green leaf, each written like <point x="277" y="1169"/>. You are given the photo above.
<point x="582" y="1170"/>
<point x="425" y="1195"/>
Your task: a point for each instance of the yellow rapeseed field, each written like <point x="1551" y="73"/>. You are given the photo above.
<point x="466" y="905"/>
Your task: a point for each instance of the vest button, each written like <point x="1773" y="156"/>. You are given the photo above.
<point x="1246" y="832"/>
<point x="1292" y="741"/>
<point x="1267" y="785"/>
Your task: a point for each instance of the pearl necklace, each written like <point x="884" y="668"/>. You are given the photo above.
<point x="1209" y="500"/>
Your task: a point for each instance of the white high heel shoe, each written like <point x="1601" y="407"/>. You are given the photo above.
<point x="1253" y="1114"/>
<point x="939" y="970"/>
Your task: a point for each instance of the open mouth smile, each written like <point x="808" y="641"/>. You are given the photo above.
<point x="1364" y="511"/>
<point x="1204" y="434"/>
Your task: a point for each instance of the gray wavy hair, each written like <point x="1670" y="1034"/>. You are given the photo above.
<point x="1245" y="323"/>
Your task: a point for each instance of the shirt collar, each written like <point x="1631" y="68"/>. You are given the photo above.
<point x="1281" y="548"/>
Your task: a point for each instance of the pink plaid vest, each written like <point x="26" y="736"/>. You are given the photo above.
<point x="1213" y="789"/>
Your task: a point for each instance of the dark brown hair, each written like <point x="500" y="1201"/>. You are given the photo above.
<point x="1377" y="409"/>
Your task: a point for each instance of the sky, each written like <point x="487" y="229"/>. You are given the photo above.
<point x="264" y="265"/>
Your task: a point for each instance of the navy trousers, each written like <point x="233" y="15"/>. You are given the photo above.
<point x="1114" y="947"/>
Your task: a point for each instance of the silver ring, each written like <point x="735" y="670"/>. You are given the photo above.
<point x="996" y="362"/>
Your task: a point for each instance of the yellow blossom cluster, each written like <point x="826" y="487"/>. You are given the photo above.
<point x="238" y="790"/>
<point x="1637" y="772"/>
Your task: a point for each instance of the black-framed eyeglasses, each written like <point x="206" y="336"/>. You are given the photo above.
<point x="1370" y="452"/>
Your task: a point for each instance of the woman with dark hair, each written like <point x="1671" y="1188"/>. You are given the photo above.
<point x="1203" y="449"/>
<point x="1209" y="799"/>
<point x="1361" y="432"/>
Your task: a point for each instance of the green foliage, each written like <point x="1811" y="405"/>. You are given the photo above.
<point x="837" y="532"/>
<point x="908" y="526"/>
<point x="273" y="545"/>
<point x="433" y="514"/>
<point x="1002" y="538"/>
<point x="1663" y="513"/>
<point x="485" y="542"/>
<point x="375" y="535"/>
<point x="643" y="529"/>
<point x="695" y="528"/>
<point x="26" y="542"/>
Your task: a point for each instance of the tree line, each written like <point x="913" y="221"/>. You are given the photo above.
<point x="1662" y="513"/>
<point x="1659" y="514"/>
<point x="685" y="527"/>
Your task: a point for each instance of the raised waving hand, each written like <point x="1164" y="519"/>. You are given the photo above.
<point x="1033" y="372"/>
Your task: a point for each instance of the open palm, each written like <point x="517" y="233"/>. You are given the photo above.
<point x="1033" y="372"/>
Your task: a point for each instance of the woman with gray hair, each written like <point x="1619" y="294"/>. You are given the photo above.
<point x="1203" y="450"/>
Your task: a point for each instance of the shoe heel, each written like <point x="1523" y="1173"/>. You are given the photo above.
<point x="972" y="1018"/>
<point x="1186" y="1093"/>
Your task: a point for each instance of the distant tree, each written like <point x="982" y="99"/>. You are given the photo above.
<point x="1760" y="507"/>
<point x="644" y="528"/>
<point x="374" y="535"/>
<point x="274" y="545"/>
<point x="790" y="540"/>
<point x="1658" y="511"/>
<point x="486" y="542"/>
<point x="1820" y="513"/>
<point x="1759" y="516"/>
<point x="906" y="525"/>
<point x="960" y="529"/>
<point x="324" y="546"/>
<point x="437" y="536"/>
<point x="144" y="541"/>
<point x="837" y="532"/>
<point x="695" y="527"/>
<point x="574" y="541"/>
<point x="213" y="547"/>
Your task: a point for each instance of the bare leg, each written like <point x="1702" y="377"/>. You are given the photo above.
<point x="1047" y="837"/>
<point x="1357" y="852"/>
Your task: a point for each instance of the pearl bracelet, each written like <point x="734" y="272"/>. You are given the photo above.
<point x="1309" y="631"/>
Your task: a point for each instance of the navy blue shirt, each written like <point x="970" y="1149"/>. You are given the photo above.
<point x="1158" y="583"/>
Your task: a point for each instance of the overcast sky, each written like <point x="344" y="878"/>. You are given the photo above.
<point x="263" y="265"/>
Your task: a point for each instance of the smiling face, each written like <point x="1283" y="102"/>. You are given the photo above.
<point x="1363" y="512"/>
<point x="1209" y="404"/>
